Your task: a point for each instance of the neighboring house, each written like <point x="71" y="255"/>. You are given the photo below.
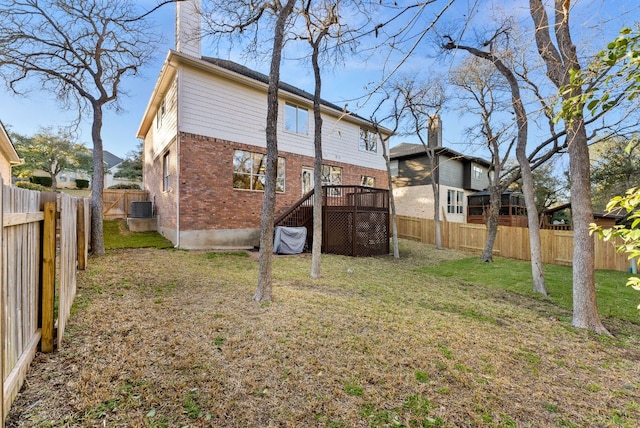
<point x="66" y="178"/>
<point x="458" y="175"/>
<point x="111" y="167"/>
<point x="8" y="156"/>
<point x="204" y="146"/>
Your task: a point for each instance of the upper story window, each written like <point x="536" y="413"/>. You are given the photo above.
<point x="249" y="171"/>
<point x="477" y="172"/>
<point x="296" y="119"/>
<point x="162" y="109"/>
<point x="368" y="141"/>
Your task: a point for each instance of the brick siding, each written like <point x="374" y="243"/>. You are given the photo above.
<point x="208" y="199"/>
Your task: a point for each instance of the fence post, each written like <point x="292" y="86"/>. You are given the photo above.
<point x="80" y="228"/>
<point x="48" y="275"/>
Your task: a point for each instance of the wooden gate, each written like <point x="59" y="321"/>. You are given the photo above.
<point x="117" y="203"/>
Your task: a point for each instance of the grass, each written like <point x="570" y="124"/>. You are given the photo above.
<point x="116" y="235"/>
<point x="172" y="338"/>
<point x="615" y="299"/>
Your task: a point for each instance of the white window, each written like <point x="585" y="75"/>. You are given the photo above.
<point x="331" y="175"/>
<point x="393" y="166"/>
<point x="165" y="172"/>
<point x="477" y="172"/>
<point x="455" y="202"/>
<point x="296" y="119"/>
<point x="160" y="114"/>
<point x="249" y="171"/>
<point x="368" y="141"/>
<point x="365" y="180"/>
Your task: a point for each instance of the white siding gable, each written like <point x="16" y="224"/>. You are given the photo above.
<point x="165" y="125"/>
<point x="220" y="108"/>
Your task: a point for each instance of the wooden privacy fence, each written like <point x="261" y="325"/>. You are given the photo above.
<point x="117" y="203"/>
<point x="28" y="251"/>
<point x="511" y="242"/>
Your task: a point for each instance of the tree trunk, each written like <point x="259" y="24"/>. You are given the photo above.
<point x="265" y="267"/>
<point x="316" y="251"/>
<point x="560" y="62"/>
<point x="436" y="213"/>
<point x="585" y="306"/>
<point x="535" y="245"/>
<point x="97" y="183"/>
<point x="392" y="203"/>
<point x="495" y="201"/>
<point x="54" y="183"/>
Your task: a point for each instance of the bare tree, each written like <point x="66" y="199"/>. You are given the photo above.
<point x="318" y="24"/>
<point x="423" y="100"/>
<point x="394" y="117"/>
<point x="483" y="88"/>
<point x="522" y="122"/>
<point x="265" y="271"/>
<point x="80" y="50"/>
<point x="561" y="60"/>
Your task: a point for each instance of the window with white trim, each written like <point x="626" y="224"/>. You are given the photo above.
<point x="368" y="181"/>
<point x="393" y="167"/>
<point x="296" y="119"/>
<point x="160" y="114"/>
<point x="477" y="172"/>
<point x="166" y="174"/>
<point x="249" y="171"/>
<point x="455" y="201"/>
<point x="368" y="141"/>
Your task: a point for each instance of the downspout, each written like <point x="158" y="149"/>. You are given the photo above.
<point x="178" y="104"/>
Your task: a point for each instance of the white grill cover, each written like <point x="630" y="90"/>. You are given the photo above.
<point x="289" y="240"/>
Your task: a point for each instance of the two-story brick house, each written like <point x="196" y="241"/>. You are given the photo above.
<point x="204" y="146"/>
<point x="459" y="176"/>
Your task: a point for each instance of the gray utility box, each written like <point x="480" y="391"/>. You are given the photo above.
<point x="141" y="209"/>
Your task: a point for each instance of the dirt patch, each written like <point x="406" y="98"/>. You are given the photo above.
<point x="164" y="338"/>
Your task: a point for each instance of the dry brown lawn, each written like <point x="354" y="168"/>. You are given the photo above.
<point x="167" y="338"/>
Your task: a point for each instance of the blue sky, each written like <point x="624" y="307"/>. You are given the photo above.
<point x="25" y="114"/>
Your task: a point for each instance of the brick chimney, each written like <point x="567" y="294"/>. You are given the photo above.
<point x="188" y="27"/>
<point x="434" y="133"/>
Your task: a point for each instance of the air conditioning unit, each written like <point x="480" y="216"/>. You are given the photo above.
<point x="141" y="209"/>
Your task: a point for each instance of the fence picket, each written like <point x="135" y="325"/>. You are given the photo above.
<point x="24" y="264"/>
<point x="512" y="242"/>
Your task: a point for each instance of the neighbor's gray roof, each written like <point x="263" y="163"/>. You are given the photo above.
<point x="110" y="160"/>
<point x="255" y="75"/>
<point x="409" y="150"/>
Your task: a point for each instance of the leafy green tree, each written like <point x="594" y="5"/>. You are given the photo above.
<point x="613" y="79"/>
<point x="131" y="167"/>
<point x="629" y="232"/>
<point x="52" y="153"/>
<point x="615" y="168"/>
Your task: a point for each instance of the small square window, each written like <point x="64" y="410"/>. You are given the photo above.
<point x="368" y="141"/>
<point x="365" y="180"/>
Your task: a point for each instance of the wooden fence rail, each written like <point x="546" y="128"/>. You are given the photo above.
<point x="28" y="252"/>
<point x="511" y="242"/>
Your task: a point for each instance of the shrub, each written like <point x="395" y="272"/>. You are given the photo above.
<point x="32" y="186"/>
<point x="82" y="184"/>
<point x="43" y="181"/>
<point x="132" y="186"/>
